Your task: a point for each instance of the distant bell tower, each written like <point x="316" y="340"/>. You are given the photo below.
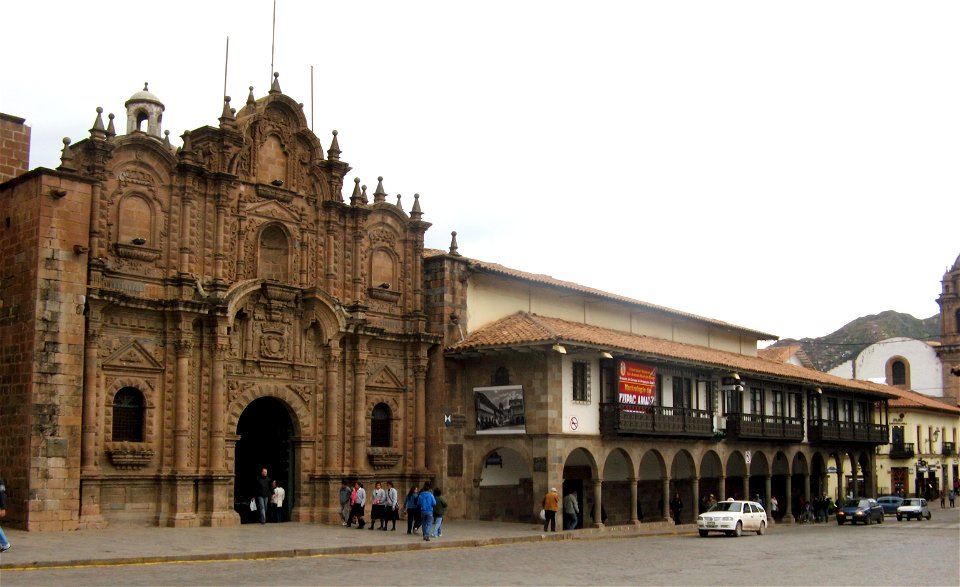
<point x="144" y="113"/>
<point x="949" y="350"/>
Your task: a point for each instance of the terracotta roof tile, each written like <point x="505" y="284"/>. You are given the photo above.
<point x="524" y="329"/>
<point x="569" y="285"/>
<point x="912" y="399"/>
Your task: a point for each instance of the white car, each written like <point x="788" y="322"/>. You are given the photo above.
<point x="913" y="507"/>
<point x="733" y="518"/>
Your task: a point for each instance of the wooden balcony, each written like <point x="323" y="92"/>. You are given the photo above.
<point x="627" y="419"/>
<point x="758" y="427"/>
<point x="904" y="450"/>
<point x="820" y="431"/>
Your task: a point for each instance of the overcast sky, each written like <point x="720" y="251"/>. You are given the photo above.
<point x="783" y="166"/>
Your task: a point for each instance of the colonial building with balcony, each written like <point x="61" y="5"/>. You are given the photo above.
<point x="626" y="403"/>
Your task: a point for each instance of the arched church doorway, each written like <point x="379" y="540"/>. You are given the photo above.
<point x="266" y="432"/>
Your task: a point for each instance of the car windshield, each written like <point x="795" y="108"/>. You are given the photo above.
<point x="856" y="503"/>
<point x="726" y="506"/>
<point x="911" y="502"/>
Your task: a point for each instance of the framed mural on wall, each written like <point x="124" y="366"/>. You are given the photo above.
<point x="500" y="409"/>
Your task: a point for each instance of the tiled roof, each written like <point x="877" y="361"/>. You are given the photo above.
<point x="485" y="266"/>
<point x="911" y="399"/>
<point x="782" y="354"/>
<point x="525" y="329"/>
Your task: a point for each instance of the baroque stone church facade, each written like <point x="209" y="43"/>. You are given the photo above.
<point x="177" y="319"/>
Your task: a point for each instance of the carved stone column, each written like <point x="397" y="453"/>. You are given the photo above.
<point x="331" y="430"/>
<point x="181" y="427"/>
<point x="746" y="486"/>
<point x="359" y="406"/>
<point x="633" y="502"/>
<point x="185" y="212"/>
<point x="788" y="499"/>
<point x="806" y="485"/>
<point x="665" y="498"/>
<point x="695" y="482"/>
<point x="420" y="433"/>
<point x="722" y="490"/>
<point x="598" y="503"/>
<point x="768" y="491"/>
<point x="218" y="253"/>
<point x="91" y="372"/>
<point x="218" y="403"/>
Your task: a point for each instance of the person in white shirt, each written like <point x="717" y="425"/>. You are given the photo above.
<point x="276" y="501"/>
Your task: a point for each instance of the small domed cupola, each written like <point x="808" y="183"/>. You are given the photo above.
<point x="144" y="113"/>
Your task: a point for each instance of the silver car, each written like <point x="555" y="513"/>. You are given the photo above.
<point x="913" y="507"/>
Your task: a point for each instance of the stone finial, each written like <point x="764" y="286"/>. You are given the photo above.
<point x="333" y="153"/>
<point x="355" y="196"/>
<point x="250" y="99"/>
<point x="398" y="202"/>
<point x="166" y="139"/>
<point x="66" y="157"/>
<point x="98" y="131"/>
<point x="453" y="244"/>
<point x="111" y="129"/>
<point x="363" y="196"/>
<point x="226" y="114"/>
<point x="416" y="213"/>
<point x="378" y="194"/>
<point x="186" y="151"/>
<point x="275" y="86"/>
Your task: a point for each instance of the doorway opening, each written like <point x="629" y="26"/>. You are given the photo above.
<point x="266" y="436"/>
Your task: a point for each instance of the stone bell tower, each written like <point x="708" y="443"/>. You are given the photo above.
<point x="949" y="350"/>
<point x="144" y="113"/>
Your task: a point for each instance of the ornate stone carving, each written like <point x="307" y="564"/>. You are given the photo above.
<point x="383" y="457"/>
<point x="129" y="455"/>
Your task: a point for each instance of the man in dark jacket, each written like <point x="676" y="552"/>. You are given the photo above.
<point x="263" y="494"/>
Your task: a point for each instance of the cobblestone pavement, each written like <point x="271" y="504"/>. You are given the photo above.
<point x="894" y="553"/>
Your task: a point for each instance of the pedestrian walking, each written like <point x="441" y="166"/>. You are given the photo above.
<point x="551" y="503"/>
<point x="438" y="511"/>
<point x="358" y="504"/>
<point x="376" y="510"/>
<point x="427" y="502"/>
<point x="4" y="543"/>
<point x="276" y="501"/>
<point x="412" y="509"/>
<point x="264" y="491"/>
<point x="345" y="502"/>
<point x="676" y="506"/>
<point x="392" y="506"/>
<point x="571" y="511"/>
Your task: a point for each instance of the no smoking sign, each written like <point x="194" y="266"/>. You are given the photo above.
<point x="574" y="423"/>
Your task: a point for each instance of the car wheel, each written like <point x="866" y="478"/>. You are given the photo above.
<point x="738" y="531"/>
<point x="839" y="522"/>
<point x="762" y="529"/>
<point x="880" y="521"/>
<point x="868" y="521"/>
<point x="899" y="518"/>
<point x="703" y="533"/>
<point x="929" y="515"/>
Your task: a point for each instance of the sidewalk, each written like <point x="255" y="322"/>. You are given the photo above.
<point x="131" y="545"/>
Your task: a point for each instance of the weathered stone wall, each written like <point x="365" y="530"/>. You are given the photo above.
<point x="14" y="147"/>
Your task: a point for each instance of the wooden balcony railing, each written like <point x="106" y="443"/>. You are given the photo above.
<point x="836" y="431"/>
<point x="756" y="426"/>
<point x="904" y="450"/>
<point x="655" y="420"/>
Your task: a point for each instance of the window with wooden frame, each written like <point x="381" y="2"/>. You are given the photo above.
<point x="581" y="381"/>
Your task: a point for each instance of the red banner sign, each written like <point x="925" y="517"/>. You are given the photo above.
<point x="637" y="384"/>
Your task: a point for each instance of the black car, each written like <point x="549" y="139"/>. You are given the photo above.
<point x="864" y="510"/>
<point x="890" y="503"/>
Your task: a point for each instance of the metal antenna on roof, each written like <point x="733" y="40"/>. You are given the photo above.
<point x="273" y="38"/>
<point x="226" y="60"/>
